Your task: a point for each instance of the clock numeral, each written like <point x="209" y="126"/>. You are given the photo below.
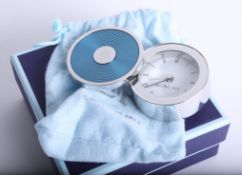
<point x="177" y="59"/>
<point x="163" y="58"/>
<point x="194" y="72"/>
<point x="192" y="82"/>
<point x="180" y="55"/>
<point x="163" y="86"/>
<point x="189" y="62"/>
<point x="176" y="88"/>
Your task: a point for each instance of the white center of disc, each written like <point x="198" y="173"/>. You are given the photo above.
<point x="104" y="54"/>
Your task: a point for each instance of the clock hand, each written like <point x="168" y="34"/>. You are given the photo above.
<point x="158" y="82"/>
<point x="163" y="77"/>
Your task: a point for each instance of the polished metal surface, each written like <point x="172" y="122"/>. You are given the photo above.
<point x="187" y="103"/>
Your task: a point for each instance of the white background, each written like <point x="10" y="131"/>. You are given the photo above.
<point x="213" y="27"/>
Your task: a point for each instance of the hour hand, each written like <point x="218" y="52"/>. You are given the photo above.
<point x="167" y="79"/>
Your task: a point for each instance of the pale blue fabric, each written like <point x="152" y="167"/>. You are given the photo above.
<point x="103" y="125"/>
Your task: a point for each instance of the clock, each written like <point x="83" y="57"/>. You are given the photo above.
<point x="171" y="74"/>
<point x="166" y="75"/>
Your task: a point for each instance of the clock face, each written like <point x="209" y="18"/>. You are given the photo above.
<point x="168" y="73"/>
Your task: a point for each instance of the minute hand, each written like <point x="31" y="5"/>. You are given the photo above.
<point x="158" y="82"/>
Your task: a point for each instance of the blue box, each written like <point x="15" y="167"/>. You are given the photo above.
<point x="204" y="130"/>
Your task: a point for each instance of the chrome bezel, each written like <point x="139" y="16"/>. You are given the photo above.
<point x="198" y="86"/>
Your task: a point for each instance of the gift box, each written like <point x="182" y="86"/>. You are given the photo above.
<point x="204" y="131"/>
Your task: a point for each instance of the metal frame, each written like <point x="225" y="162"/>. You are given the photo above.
<point x="187" y="103"/>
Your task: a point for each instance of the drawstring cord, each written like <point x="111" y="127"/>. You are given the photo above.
<point x="58" y="28"/>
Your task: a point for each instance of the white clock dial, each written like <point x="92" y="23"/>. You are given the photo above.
<point x="169" y="74"/>
<point x="174" y="75"/>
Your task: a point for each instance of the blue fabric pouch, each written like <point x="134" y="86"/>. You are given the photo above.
<point x="103" y="125"/>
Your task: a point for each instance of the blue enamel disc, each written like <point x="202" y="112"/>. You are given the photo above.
<point x="103" y="56"/>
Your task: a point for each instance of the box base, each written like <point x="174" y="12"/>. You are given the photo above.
<point x="170" y="168"/>
<point x="204" y="130"/>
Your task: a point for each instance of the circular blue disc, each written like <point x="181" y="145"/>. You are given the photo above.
<point x="124" y="55"/>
